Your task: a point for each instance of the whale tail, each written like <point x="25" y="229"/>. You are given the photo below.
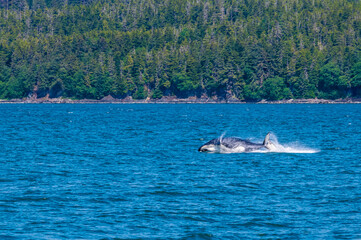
<point x="267" y="143"/>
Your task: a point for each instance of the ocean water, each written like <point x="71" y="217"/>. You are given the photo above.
<point x="132" y="171"/>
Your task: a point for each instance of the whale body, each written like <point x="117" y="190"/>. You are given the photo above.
<point x="235" y="144"/>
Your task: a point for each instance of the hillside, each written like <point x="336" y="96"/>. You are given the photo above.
<point x="248" y="49"/>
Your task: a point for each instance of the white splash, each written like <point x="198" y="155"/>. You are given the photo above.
<point x="294" y="147"/>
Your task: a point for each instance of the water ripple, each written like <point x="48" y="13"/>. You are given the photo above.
<point x="133" y="172"/>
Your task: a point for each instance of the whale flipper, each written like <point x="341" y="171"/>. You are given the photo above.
<point x="267" y="143"/>
<point x="266" y="139"/>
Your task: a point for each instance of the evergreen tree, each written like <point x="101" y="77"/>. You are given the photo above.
<point x="244" y="49"/>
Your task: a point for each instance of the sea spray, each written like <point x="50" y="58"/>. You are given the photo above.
<point x="293" y="147"/>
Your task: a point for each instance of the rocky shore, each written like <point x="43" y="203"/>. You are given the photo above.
<point x="175" y="100"/>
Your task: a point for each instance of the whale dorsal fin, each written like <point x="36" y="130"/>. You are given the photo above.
<point x="266" y="139"/>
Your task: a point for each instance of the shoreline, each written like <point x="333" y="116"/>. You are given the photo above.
<point x="174" y="100"/>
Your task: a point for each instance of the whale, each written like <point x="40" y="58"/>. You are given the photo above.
<point x="235" y="144"/>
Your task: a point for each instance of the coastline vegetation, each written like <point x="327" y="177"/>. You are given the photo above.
<point x="247" y="49"/>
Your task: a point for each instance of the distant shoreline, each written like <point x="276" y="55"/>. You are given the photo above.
<point x="174" y="100"/>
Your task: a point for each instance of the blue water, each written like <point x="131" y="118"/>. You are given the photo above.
<point x="113" y="171"/>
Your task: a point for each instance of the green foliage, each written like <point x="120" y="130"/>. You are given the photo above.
<point x="275" y="89"/>
<point x="329" y="77"/>
<point x="157" y="94"/>
<point x="14" y="88"/>
<point x="119" y="87"/>
<point x="302" y="88"/>
<point x="140" y="93"/>
<point x="249" y="49"/>
<point x="183" y="82"/>
<point x="251" y="92"/>
<point x="331" y="83"/>
<point x="356" y="75"/>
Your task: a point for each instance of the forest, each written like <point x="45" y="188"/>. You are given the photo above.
<point x="225" y="49"/>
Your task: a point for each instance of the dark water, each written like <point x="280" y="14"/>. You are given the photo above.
<point x="133" y="172"/>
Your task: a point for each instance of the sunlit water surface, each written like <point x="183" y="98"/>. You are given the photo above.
<point x="133" y="172"/>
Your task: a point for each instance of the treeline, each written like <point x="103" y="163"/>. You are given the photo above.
<point x="245" y="49"/>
